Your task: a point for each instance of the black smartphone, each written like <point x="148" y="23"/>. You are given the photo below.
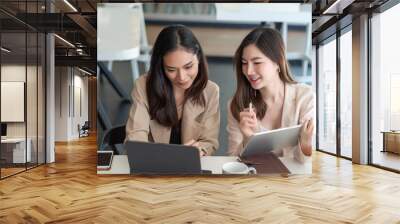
<point x="104" y="159"/>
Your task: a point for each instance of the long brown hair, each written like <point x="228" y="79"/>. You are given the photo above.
<point x="162" y="105"/>
<point x="270" y="43"/>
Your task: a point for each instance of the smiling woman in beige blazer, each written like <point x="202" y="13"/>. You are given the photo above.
<point x="264" y="81"/>
<point x="175" y="102"/>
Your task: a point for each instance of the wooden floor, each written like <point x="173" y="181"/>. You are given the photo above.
<point x="69" y="191"/>
<point x="387" y="159"/>
<point x="5" y="172"/>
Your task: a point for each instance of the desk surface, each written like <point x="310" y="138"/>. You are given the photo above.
<point x="13" y="140"/>
<point x="391" y="132"/>
<point x="120" y="165"/>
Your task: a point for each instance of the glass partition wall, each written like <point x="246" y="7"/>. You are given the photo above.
<point x="385" y="90"/>
<point x="334" y="94"/>
<point x="22" y="100"/>
<point x="346" y="93"/>
<point x="327" y="96"/>
<point x="334" y="90"/>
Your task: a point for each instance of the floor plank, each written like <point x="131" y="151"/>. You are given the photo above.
<point x="387" y="159"/>
<point x="69" y="191"/>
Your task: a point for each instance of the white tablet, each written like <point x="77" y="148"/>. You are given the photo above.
<point x="264" y="142"/>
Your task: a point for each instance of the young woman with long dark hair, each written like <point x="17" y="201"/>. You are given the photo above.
<point x="175" y="102"/>
<point x="264" y="82"/>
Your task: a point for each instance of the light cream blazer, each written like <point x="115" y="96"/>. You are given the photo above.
<point x="198" y="122"/>
<point x="298" y="106"/>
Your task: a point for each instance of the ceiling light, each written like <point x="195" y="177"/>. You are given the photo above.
<point x="5" y="49"/>
<point x="337" y="7"/>
<point x="64" y="40"/>
<point x="70" y="5"/>
<point x="84" y="71"/>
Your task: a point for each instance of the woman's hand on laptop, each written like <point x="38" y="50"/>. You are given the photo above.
<point x="248" y="123"/>
<point x="306" y="137"/>
<point x="197" y="145"/>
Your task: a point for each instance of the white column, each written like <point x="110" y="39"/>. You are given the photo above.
<point x="360" y="90"/>
<point x="50" y="94"/>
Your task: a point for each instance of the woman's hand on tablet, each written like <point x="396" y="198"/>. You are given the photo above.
<point x="306" y="137"/>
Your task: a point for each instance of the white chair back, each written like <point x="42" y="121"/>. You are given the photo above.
<point x="119" y="31"/>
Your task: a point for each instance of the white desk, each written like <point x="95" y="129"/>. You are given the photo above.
<point x="19" y="149"/>
<point x="120" y="165"/>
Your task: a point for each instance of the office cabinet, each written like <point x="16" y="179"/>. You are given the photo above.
<point x="13" y="150"/>
<point x="391" y="142"/>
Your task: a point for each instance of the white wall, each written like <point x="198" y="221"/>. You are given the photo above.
<point x="70" y="83"/>
<point x="33" y="127"/>
<point x="16" y="73"/>
<point x="80" y="100"/>
<point x="61" y="103"/>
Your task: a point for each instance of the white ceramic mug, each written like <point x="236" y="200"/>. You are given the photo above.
<point x="237" y="168"/>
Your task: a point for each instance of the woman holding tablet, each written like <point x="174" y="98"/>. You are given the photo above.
<point x="267" y="97"/>
<point x="175" y="102"/>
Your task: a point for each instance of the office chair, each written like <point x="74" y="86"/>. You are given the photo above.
<point x="114" y="140"/>
<point x="84" y="129"/>
<point x="113" y="124"/>
<point x="86" y="126"/>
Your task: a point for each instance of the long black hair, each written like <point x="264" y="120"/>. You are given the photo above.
<point x="269" y="42"/>
<point x="159" y="89"/>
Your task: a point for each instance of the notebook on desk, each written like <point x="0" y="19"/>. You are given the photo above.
<point x="266" y="163"/>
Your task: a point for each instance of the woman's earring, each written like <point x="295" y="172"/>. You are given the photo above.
<point x="279" y="70"/>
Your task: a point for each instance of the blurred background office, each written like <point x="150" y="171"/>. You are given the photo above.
<point x="125" y="39"/>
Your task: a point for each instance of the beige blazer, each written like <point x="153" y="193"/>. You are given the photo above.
<point x="298" y="106"/>
<point x="198" y="122"/>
